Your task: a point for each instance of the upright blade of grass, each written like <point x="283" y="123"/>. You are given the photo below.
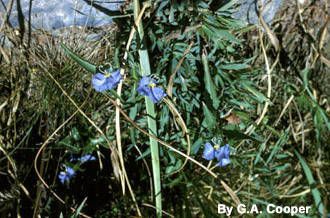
<point x="83" y="63"/>
<point x="145" y="69"/>
<point x="309" y="176"/>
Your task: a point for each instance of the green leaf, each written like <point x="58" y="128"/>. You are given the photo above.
<point x="228" y="6"/>
<point x="309" y="175"/>
<point x="280" y="142"/>
<point x="209" y="119"/>
<point x="234" y="66"/>
<point x="82" y="62"/>
<point x="75" y="134"/>
<point x="210" y="87"/>
<point x="196" y="146"/>
<point x="77" y="212"/>
<point x="259" y="96"/>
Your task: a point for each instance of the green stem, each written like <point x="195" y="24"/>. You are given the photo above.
<point x="145" y="68"/>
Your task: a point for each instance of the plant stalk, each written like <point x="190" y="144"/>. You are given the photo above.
<point x="145" y="69"/>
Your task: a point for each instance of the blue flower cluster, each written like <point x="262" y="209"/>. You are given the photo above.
<point x="147" y="85"/>
<point x="69" y="172"/>
<point x="216" y="152"/>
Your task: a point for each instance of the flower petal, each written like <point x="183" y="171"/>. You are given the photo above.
<point x="222" y="155"/>
<point x="226" y="150"/>
<point x="208" y="152"/>
<point x="222" y="152"/>
<point x="98" y="82"/>
<point x="144" y="88"/>
<point x="86" y="158"/>
<point x="62" y="176"/>
<point x="70" y="172"/>
<point x="115" y="78"/>
<point x="156" y="94"/>
<point x="223" y="162"/>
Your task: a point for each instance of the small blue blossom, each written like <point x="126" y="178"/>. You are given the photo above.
<point x="86" y="158"/>
<point x="220" y="153"/>
<point x="147" y="87"/>
<point x="66" y="175"/>
<point x="102" y="82"/>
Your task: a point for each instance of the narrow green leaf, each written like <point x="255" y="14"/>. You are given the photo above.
<point x="280" y="142"/>
<point x="309" y="176"/>
<point x="260" y="97"/>
<point x="234" y="66"/>
<point x="77" y="212"/>
<point x="210" y="87"/>
<point x="82" y="62"/>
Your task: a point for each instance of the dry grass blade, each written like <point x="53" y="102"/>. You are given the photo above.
<point x="6" y="15"/>
<point x="171" y="80"/>
<point x="323" y="35"/>
<point x="269" y="84"/>
<point x="231" y="193"/>
<point x="164" y="212"/>
<point x="273" y="38"/>
<point x="325" y="60"/>
<point x="177" y="116"/>
<point x="284" y="109"/>
<point x="4" y="54"/>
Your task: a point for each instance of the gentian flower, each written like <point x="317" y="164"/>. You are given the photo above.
<point x="86" y="158"/>
<point x="66" y="175"/>
<point x="102" y="82"/>
<point x="220" y="153"/>
<point x="147" y="87"/>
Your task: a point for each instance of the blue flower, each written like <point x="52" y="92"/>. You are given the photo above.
<point x="102" y="82"/>
<point x="220" y="153"/>
<point x="147" y="87"/>
<point x="86" y="158"/>
<point x="66" y="175"/>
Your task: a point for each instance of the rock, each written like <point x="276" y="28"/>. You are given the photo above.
<point x="248" y="10"/>
<point x="55" y="14"/>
